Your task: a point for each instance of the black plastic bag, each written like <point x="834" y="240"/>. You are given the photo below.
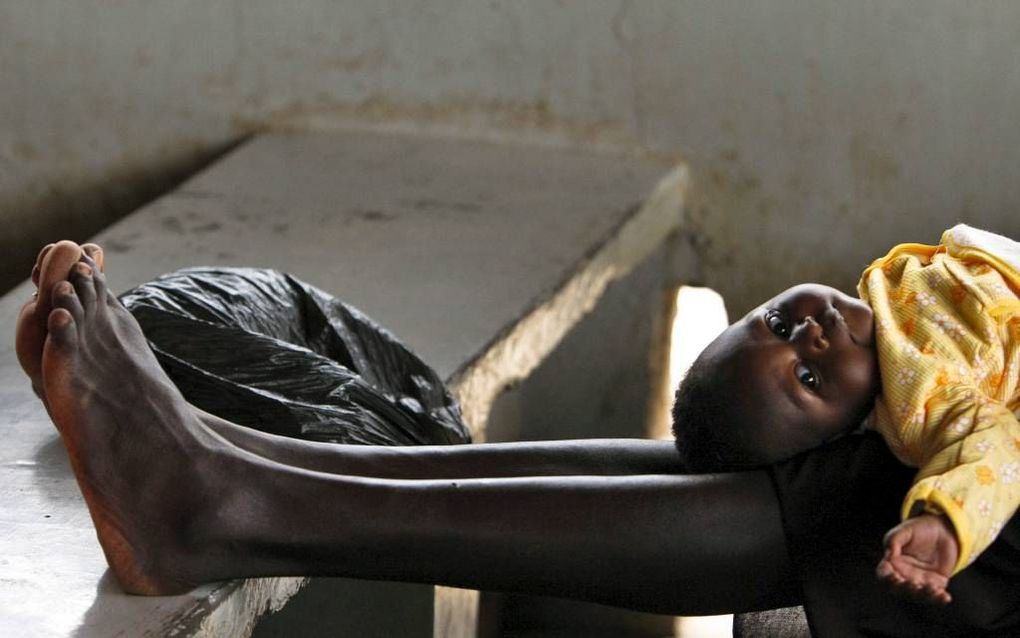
<point x="268" y="351"/>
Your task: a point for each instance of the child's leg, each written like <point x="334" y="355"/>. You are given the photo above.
<point x="595" y="457"/>
<point x="556" y="458"/>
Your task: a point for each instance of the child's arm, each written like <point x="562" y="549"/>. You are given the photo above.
<point x="920" y="554"/>
<point x="967" y="449"/>
<point x="970" y="473"/>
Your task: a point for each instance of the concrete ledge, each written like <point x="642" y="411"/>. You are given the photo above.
<point x="480" y="256"/>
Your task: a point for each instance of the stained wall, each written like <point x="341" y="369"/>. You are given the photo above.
<point x="819" y="132"/>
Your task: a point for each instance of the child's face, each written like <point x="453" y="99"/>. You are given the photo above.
<point x="802" y="368"/>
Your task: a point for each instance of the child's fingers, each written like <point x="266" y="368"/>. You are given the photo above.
<point x="885" y="568"/>
<point x="896" y="538"/>
<point x="917" y="581"/>
<point x="916" y="589"/>
<point x="934" y="582"/>
<point x="937" y="594"/>
<point x="887" y="571"/>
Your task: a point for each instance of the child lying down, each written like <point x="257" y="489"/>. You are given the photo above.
<point x="930" y="359"/>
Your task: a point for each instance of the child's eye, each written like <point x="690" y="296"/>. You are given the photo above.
<point x="776" y="324"/>
<point x="806" y="377"/>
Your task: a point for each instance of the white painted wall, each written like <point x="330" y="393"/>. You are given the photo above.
<point x="820" y="132"/>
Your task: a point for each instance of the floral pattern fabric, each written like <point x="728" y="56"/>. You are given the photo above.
<point x="947" y="323"/>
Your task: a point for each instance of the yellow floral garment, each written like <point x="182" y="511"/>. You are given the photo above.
<point x="947" y="322"/>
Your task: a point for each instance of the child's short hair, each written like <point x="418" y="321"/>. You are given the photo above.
<point x="702" y="411"/>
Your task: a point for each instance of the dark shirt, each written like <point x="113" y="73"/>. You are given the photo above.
<point x="837" y="503"/>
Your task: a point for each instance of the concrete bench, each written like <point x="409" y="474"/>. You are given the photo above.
<point x="480" y="256"/>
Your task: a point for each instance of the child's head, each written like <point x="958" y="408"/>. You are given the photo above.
<point x="795" y="372"/>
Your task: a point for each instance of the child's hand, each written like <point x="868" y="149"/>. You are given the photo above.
<point x="920" y="554"/>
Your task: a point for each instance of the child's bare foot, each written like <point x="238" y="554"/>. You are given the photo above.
<point x="920" y="555"/>
<point x="131" y="437"/>
<point x="53" y="265"/>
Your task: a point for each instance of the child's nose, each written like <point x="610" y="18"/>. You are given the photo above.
<point x="812" y="335"/>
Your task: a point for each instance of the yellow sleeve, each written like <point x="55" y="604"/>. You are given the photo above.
<point x="948" y="347"/>
<point x="970" y="470"/>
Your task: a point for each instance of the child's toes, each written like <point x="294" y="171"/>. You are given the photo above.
<point x="64" y="297"/>
<point x="62" y="330"/>
<point x="57" y="263"/>
<point x="96" y="275"/>
<point x="37" y="268"/>
<point x="95" y="253"/>
<point x="84" y="284"/>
